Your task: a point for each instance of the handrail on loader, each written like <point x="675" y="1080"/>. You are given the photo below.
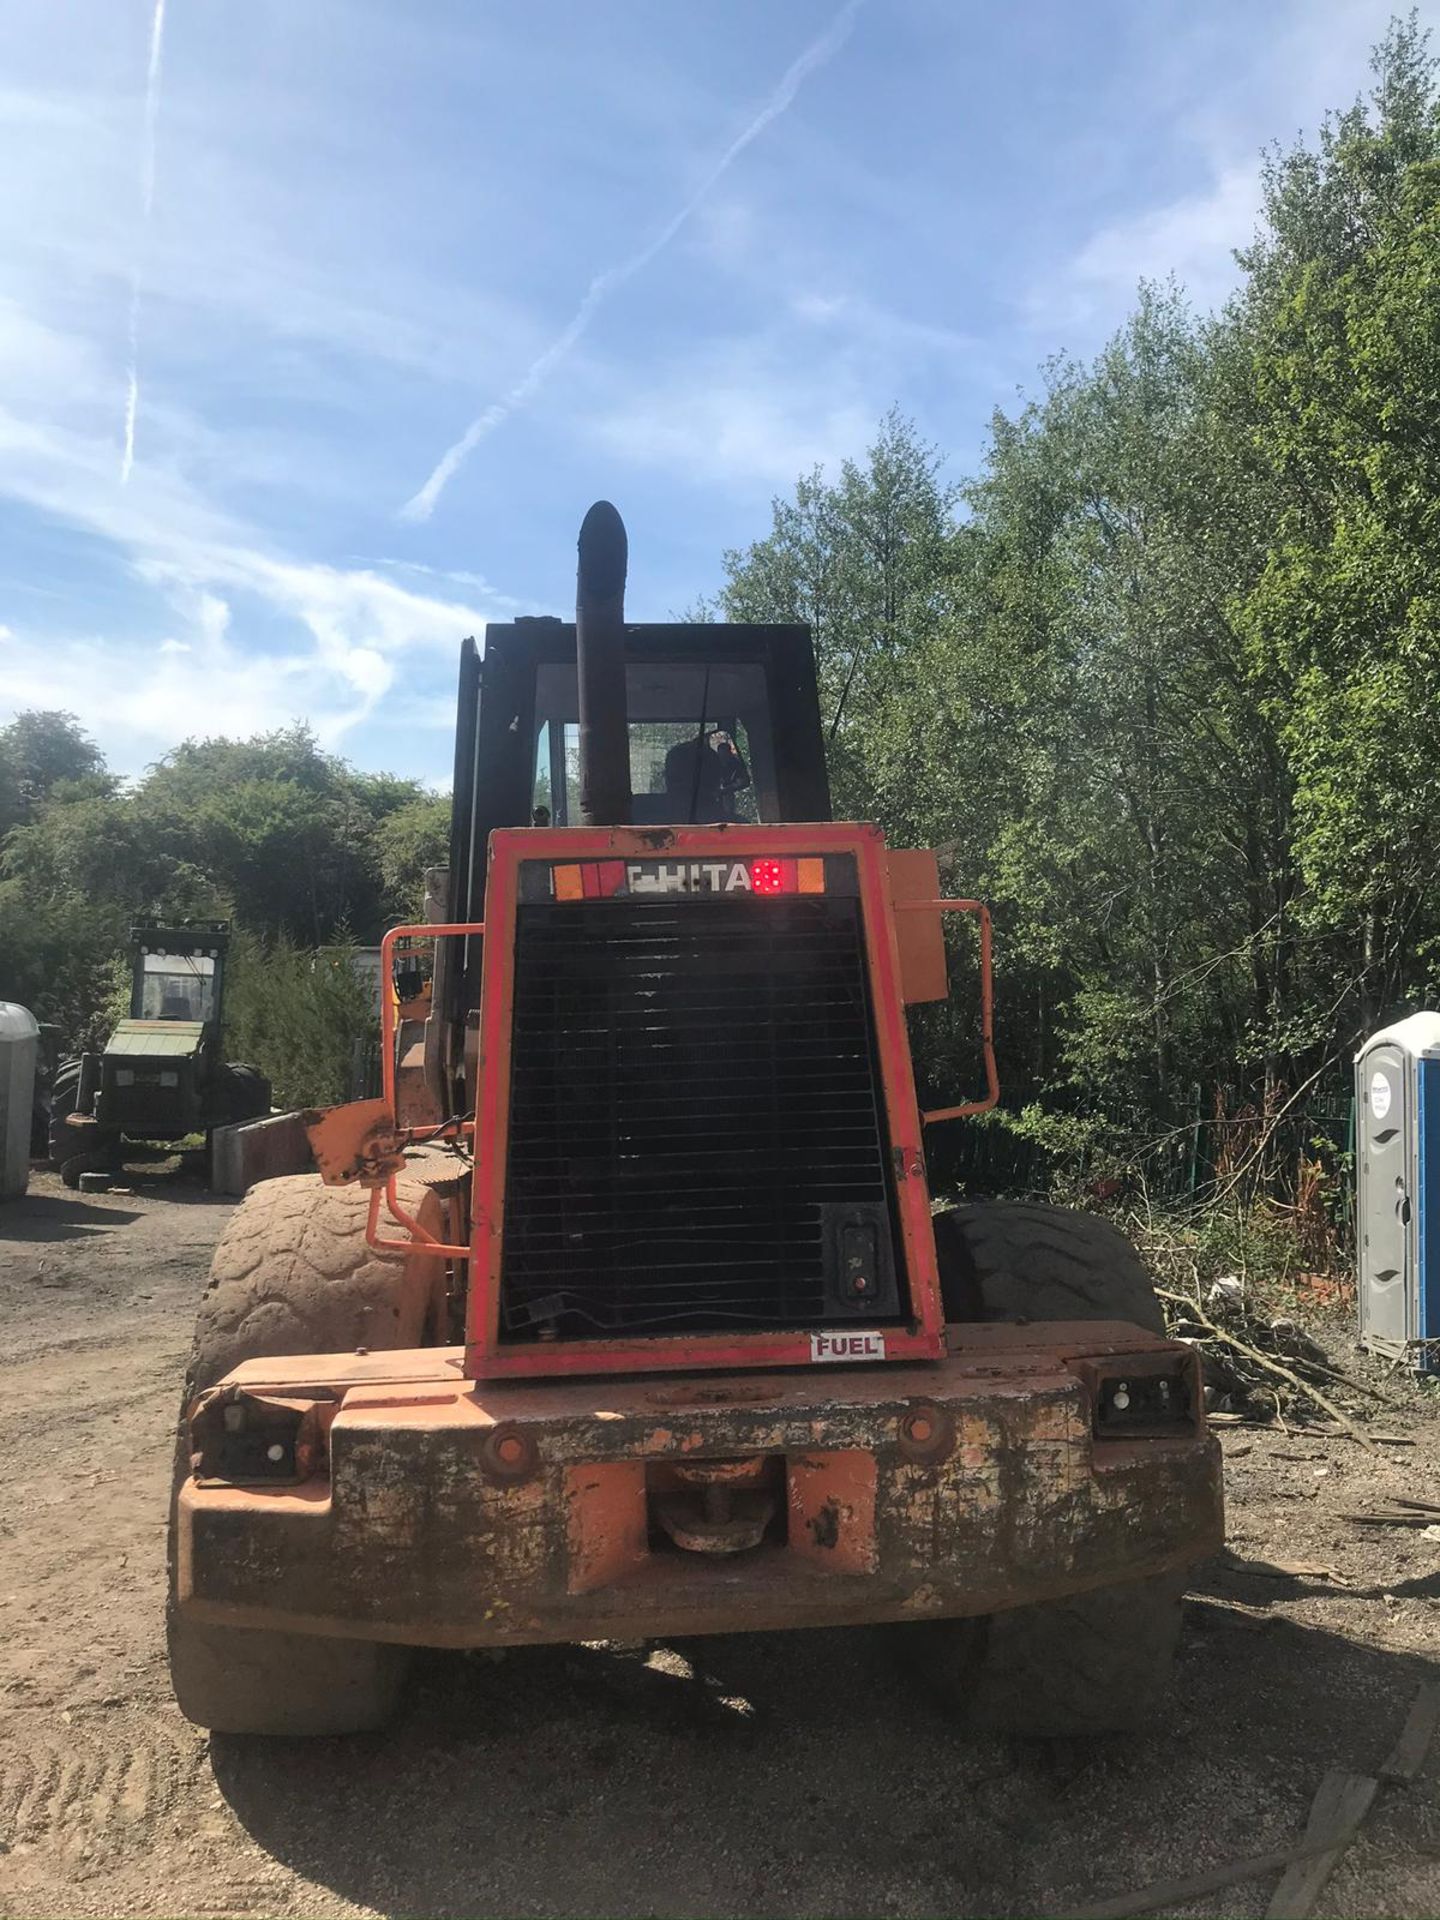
<point x="418" y="1235"/>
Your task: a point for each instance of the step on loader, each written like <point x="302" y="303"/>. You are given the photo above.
<point x="624" y="1313"/>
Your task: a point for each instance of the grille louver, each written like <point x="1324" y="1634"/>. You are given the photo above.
<point x="693" y="1094"/>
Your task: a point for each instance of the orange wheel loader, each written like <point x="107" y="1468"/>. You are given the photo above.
<point x="625" y="1311"/>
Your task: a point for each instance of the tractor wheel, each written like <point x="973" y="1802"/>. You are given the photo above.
<point x="99" y="1153"/>
<point x="293" y="1275"/>
<point x="1093" y="1662"/>
<point x="63" y="1092"/>
<point x="241" y="1093"/>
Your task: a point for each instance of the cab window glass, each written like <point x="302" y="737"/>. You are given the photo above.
<point x="177" y="986"/>
<point x="700" y="747"/>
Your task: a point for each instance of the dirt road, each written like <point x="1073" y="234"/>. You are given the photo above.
<point x="758" y="1775"/>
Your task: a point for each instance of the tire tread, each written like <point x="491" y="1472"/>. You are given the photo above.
<point x="1093" y="1662"/>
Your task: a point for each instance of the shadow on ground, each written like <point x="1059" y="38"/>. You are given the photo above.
<point x="803" y="1773"/>
<point x="50" y="1212"/>
<point x="43" y="1216"/>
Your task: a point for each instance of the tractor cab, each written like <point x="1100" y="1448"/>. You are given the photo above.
<point x="174" y="979"/>
<point x="156" y="1070"/>
<point x="161" y="1075"/>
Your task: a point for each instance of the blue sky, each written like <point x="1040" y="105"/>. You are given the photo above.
<point x="327" y="236"/>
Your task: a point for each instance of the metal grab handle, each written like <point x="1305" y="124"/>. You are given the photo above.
<point x="419" y="1238"/>
<point x="987" y="1005"/>
<point x="419" y="1242"/>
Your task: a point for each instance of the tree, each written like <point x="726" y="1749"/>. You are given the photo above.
<point x="40" y="752"/>
<point x="272" y="832"/>
<point x="1345" y="618"/>
<point x="409" y="840"/>
<point x="298" y="1014"/>
<point x="864" y="563"/>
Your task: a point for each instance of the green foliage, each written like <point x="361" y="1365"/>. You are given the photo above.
<point x="298" y="1015"/>
<point x="59" y="958"/>
<point x="1162" y="679"/>
<point x="864" y="563"/>
<point x="416" y="835"/>
<point x="1347" y="610"/>
<point x="41" y="752"/>
<point x="288" y="841"/>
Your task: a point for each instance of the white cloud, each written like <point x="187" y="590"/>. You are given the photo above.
<point x="1223" y="111"/>
<point x="456" y="576"/>
<point x="321" y="641"/>
<point x="738" y="421"/>
<point x="1192" y="237"/>
<point x="880" y="330"/>
<point x="202" y="681"/>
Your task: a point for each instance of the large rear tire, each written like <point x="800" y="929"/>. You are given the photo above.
<point x="63" y="1142"/>
<point x="1095" y="1662"/>
<point x="1091" y="1663"/>
<point x="93" y="1150"/>
<point x="293" y="1275"/>
<point x="1005" y="1260"/>
<point x="241" y="1093"/>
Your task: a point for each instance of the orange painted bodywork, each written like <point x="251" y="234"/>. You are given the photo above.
<point x="906" y="960"/>
<point x="928" y="1489"/>
<point x="920" y="1336"/>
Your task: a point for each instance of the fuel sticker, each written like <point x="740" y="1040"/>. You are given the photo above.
<point x="847" y="1346"/>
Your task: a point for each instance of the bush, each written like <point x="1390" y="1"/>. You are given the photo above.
<point x="297" y="1014"/>
<point x="64" y="960"/>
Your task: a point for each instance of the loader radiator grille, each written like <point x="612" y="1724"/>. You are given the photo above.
<point x="693" y="1091"/>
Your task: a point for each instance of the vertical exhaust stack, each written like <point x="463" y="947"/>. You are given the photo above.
<point x="600" y="663"/>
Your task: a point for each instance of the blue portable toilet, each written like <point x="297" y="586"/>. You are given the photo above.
<point x="1397" y="1227"/>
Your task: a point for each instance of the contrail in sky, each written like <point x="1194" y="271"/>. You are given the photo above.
<point x="147" y="200"/>
<point x="613" y="278"/>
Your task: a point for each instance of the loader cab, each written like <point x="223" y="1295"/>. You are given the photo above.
<point x="684" y="718"/>
<point x="518" y="732"/>
<point x="517" y="752"/>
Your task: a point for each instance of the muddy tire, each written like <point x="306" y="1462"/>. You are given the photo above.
<point x="292" y="1275"/>
<point x="1093" y="1662"/>
<point x="99" y="1153"/>
<point x="1007" y="1261"/>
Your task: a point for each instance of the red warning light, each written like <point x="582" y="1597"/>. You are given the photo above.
<point x="768" y="876"/>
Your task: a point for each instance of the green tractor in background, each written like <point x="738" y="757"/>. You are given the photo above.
<point x="161" y="1076"/>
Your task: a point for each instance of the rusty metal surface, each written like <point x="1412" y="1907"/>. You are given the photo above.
<point x="716" y="1506"/>
<point x="919" y="939"/>
<point x="417" y="1537"/>
<point x="355" y="1145"/>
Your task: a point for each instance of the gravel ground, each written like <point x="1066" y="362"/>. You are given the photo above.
<point x="761" y="1774"/>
